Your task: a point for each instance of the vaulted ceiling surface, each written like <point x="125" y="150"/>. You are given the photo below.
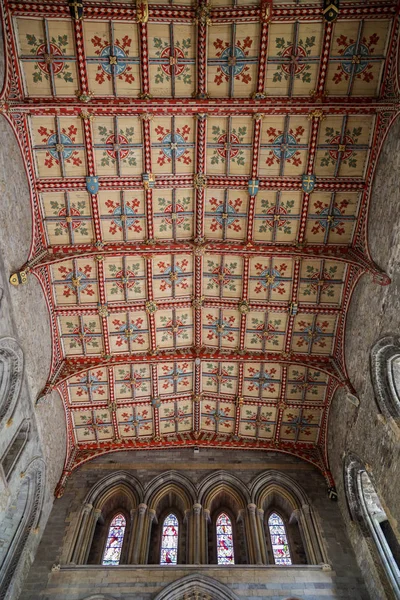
<point x="200" y="178"/>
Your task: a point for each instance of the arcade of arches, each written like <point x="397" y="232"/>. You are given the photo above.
<point x="199" y="300"/>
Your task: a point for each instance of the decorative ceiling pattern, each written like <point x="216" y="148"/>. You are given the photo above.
<point x="200" y="179"/>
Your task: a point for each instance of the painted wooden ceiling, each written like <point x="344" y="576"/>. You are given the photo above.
<point x="200" y="178"/>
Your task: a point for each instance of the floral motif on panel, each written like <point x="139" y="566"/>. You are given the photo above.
<point x="128" y="216"/>
<point x="333" y="138"/>
<point x="177" y="326"/>
<point x="67" y="139"/>
<point x="312" y="334"/>
<point x="129" y="331"/>
<point x="177" y="141"/>
<point x="125" y="278"/>
<point x="215" y="377"/>
<point x="233" y="59"/>
<point x="125" y="137"/>
<point x="57" y="48"/>
<point x="175" y="214"/>
<point x="229" y="215"/>
<point x="254" y="421"/>
<point x="284" y="149"/>
<point x="220" y="136"/>
<point x="261" y="380"/>
<point x="78" y="279"/>
<point x="331" y="219"/>
<point x="137" y="380"/>
<point x="174" y="56"/>
<point x="74" y="212"/>
<point x="120" y="49"/>
<point x="301" y="69"/>
<point x="315" y="281"/>
<point x="177" y="273"/>
<point x="139" y="418"/>
<point x="276" y="216"/>
<point x="270" y="278"/>
<point x="218" y="416"/>
<point x="265" y="331"/>
<point x="348" y="49"/>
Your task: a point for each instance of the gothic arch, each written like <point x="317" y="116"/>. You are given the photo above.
<point x="385" y="373"/>
<point x="122" y="480"/>
<point x="23" y="521"/>
<point x="171" y="480"/>
<point x="168" y="493"/>
<point x="198" y="587"/>
<point x="275" y="482"/>
<point x="223" y="492"/>
<point x="11" y="371"/>
<point x="118" y="491"/>
<point x="275" y="490"/>
<point x="219" y="481"/>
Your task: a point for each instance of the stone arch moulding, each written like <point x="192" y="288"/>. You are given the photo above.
<point x="210" y="486"/>
<point x="198" y="587"/>
<point x="11" y="372"/>
<point x="160" y="484"/>
<point x="384" y="356"/>
<point x="34" y="478"/>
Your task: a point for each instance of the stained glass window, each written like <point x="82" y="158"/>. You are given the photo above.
<point x="112" y="553"/>
<point x="169" y="541"/>
<point x="225" y="553"/>
<point x="279" y="541"/>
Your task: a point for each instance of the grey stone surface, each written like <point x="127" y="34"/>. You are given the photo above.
<point x="24" y="318"/>
<point x="343" y="581"/>
<point x="374" y="313"/>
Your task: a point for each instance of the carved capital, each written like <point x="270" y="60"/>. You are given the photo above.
<point x="203" y="14"/>
<point x="197" y="509"/>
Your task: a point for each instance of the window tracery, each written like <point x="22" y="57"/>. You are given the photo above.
<point x="279" y="540"/>
<point x="225" y="552"/>
<point x="115" y="539"/>
<point x="366" y="510"/>
<point x="169" y="541"/>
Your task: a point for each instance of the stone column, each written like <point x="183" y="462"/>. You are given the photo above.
<point x="82" y="530"/>
<point x="132" y="537"/>
<point x="197" y="533"/>
<point x="87" y="541"/>
<point x="151" y="513"/>
<point x="255" y="545"/>
<point x="261" y="536"/>
<point x="137" y="541"/>
<point x="307" y="531"/>
<point x="206" y="520"/>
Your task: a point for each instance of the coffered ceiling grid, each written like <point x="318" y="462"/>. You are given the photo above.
<point x="200" y="208"/>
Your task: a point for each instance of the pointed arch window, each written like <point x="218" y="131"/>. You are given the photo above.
<point x="225" y="552"/>
<point x="115" y="539"/>
<point x="169" y="541"/>
<point x="279" y="540"/>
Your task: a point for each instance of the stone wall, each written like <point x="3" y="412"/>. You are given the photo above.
<point x="374" y="313"/>
<point x="24" y="319"/>
<point x="142" y="582"/>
